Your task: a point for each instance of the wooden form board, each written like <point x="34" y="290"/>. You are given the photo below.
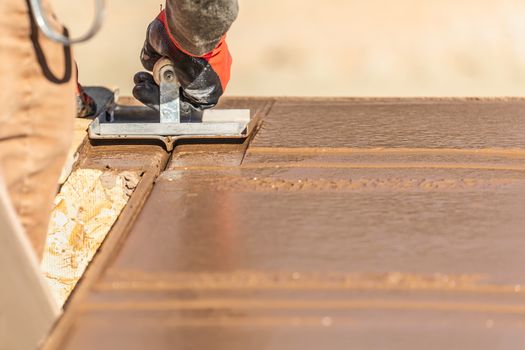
<point x="27" y="310"/>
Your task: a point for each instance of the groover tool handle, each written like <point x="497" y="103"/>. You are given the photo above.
<point x="163" y="66"/>
<point x="49" y="31"/>
<point x="169" y="97"/>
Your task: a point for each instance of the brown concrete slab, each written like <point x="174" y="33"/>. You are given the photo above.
<point x="312" y="239"/>
<point x="414" y="123"/>
<point x="375" y="330"/>
<point x="234" y="221"/>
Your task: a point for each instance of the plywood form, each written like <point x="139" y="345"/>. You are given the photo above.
<point x="86" y="208"/>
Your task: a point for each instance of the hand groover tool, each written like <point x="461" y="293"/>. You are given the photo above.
<point x="118" y="122"/>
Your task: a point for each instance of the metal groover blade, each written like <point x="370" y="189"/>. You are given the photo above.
<point x="169" y="96"/>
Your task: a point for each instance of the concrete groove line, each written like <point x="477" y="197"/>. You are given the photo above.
<point x="511" y="152"/>
<point x="244" y="321"/>
<point x="267" y="109"/>
<point x="339" y="165"/>
<point x="290" y="304"/>
<point x="156" y="286"/>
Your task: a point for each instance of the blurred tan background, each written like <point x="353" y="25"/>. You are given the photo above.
<point x="334" y="47"/>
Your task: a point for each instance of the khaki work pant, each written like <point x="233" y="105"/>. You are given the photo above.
<point x="37" y="109"/>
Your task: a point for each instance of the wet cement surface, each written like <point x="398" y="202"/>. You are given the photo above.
<point x="417" y="123"/>
<point x="344" y="224"/>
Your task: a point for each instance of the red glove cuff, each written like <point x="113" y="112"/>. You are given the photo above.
<point x="219" y="58"/>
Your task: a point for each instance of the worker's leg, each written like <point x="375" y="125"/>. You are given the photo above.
<point x="198" y="26"/>
<point x="37" y="108"/>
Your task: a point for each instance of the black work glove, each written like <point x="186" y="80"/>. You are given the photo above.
<point x="202" y="79"/>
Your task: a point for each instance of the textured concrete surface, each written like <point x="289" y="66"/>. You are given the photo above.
<point x="345" y="223"/>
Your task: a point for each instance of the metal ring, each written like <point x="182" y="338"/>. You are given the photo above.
<point x="159" y="67"/>
<point x="48" y="31"/>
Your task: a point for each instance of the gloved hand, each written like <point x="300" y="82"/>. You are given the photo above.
<point x="203" y="79"/>
<point x="86" y="105"/>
